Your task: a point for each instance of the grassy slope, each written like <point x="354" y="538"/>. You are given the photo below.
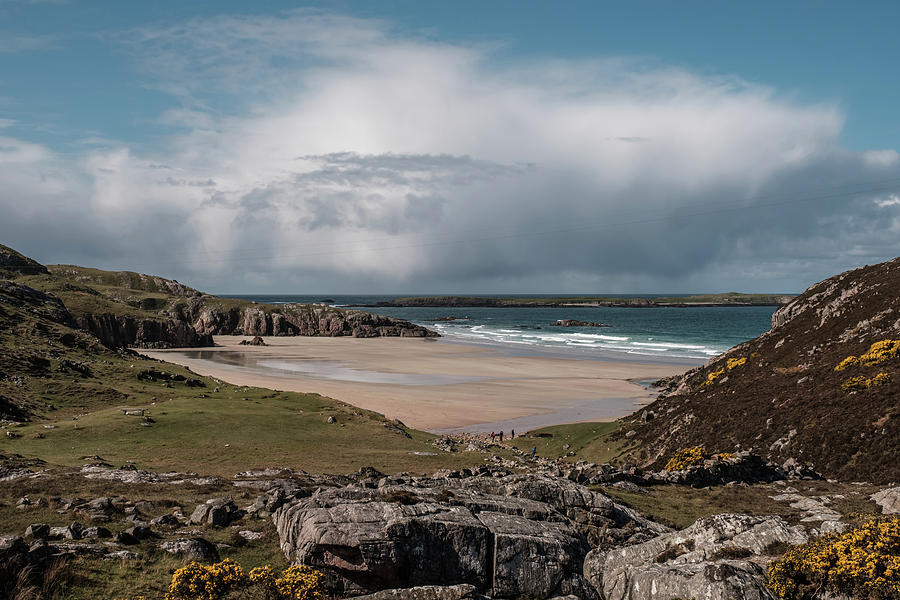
<point x="193" y="424"/>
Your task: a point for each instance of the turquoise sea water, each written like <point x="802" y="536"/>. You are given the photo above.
<point x="688" y="334"/>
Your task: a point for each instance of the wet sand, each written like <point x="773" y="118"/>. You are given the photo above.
<point x="432" y="384"/>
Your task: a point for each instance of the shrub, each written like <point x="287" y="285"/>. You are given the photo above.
<point x="686" y="457"/>
<point x="736" y="362"/>
<point x="880" y="352"/>
<point x="863" y="383"/>
<point x="877" y="353"/>
<point x="214" y="582"/>
<point x="299" y="583"/>
<point x="862" y="563"/>
<point x="730" y="364"/>
<point x="850" y="361"/>
<point x="713" y="375"/>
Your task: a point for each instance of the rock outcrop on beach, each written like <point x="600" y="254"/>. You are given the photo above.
<point x="821" y="386"/>
<point x="122" y="308"/>
<point x="577" y="323"/>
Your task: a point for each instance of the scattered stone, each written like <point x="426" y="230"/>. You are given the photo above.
<point x="37" y="530"/>
<point x="166" y="521"/>
<point x="72" y="531"/>
<point x="122" y="555"/>
<point x="251" y="535"/>
<point x="140" y="532"/>
<point x="218" y="512"/>
<point x="196" y="548"/>
<point x="125" y="538"/>
<point x="96" y="532"/>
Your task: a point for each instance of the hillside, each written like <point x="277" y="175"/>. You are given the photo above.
<point x="123" y="308"/>
<point x="793" y="392"/>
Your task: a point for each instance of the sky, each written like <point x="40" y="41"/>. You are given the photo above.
<point x="465" y="147"/>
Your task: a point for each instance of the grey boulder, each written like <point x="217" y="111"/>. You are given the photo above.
<point x="197" y="549"/>
<point x="717" y="558"/>
<point x="508" y="535"/>
<point x="888" y="500"/>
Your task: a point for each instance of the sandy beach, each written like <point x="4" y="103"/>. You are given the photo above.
<point x="432" y="384"/>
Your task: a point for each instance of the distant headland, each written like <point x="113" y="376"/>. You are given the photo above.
<point x="726" y="299"/>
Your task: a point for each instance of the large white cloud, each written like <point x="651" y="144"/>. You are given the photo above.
<point x="325" y="153"/>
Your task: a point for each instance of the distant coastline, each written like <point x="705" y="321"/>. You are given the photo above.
<point x="708" y="300"/>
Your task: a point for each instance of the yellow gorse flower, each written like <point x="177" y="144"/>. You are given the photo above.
<point x="877" y="353"/>
<point x="686" y="457"/>
<point x="863" y="383"/>
<point x="863" y="563"/>
<point x="214" y="582"/>
<point x="731" y="363"/>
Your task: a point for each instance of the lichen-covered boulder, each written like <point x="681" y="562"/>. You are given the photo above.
<point x="717" y="558"/>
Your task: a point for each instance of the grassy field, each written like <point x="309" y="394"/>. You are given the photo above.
<point x="585" y="441"/>
<point x="679" y="506"/>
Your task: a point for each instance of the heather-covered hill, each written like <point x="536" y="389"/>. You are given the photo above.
<point x="793" y="392"/>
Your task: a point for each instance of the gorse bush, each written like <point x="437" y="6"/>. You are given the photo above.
<point x="215" y="582"/>
<point x="859" y="383"/>
<point x="877" y="353"/>
<point x="731" y="363"/>
<point x="686" y="457"/>
<point x="736" y="362"/>
<point x="863" y="563"/>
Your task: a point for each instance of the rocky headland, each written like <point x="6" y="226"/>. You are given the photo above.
<point x="131" y="309"/>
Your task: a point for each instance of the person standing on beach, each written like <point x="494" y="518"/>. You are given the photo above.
<point x="533" y="450"/>
<point x="512" y="434"/>
<point x="492" y="437"/>
<point x="501" y="435"/>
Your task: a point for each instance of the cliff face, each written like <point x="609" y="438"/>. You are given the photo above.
<point x="117" y="331"/>
<point x="195" y="324"/>
<point x="793" y="392"/>
<point x="299" y="319"/>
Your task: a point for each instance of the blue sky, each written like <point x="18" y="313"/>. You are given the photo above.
<point x="391" y="133"/>
<point x="809" y="50"/>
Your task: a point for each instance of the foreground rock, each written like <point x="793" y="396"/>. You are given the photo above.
<point x="888" y="500"/>
<point x="721" y="557"/>
<point x="431" y="592"/>
<point x="508" y="535"/>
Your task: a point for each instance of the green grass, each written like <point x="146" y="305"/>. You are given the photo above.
<point x="587" y="440"/>
<point x="229" y="431"/>
<point x="679" y="506"/>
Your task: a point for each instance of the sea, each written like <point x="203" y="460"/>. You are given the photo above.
<point x="689" y="335"/>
